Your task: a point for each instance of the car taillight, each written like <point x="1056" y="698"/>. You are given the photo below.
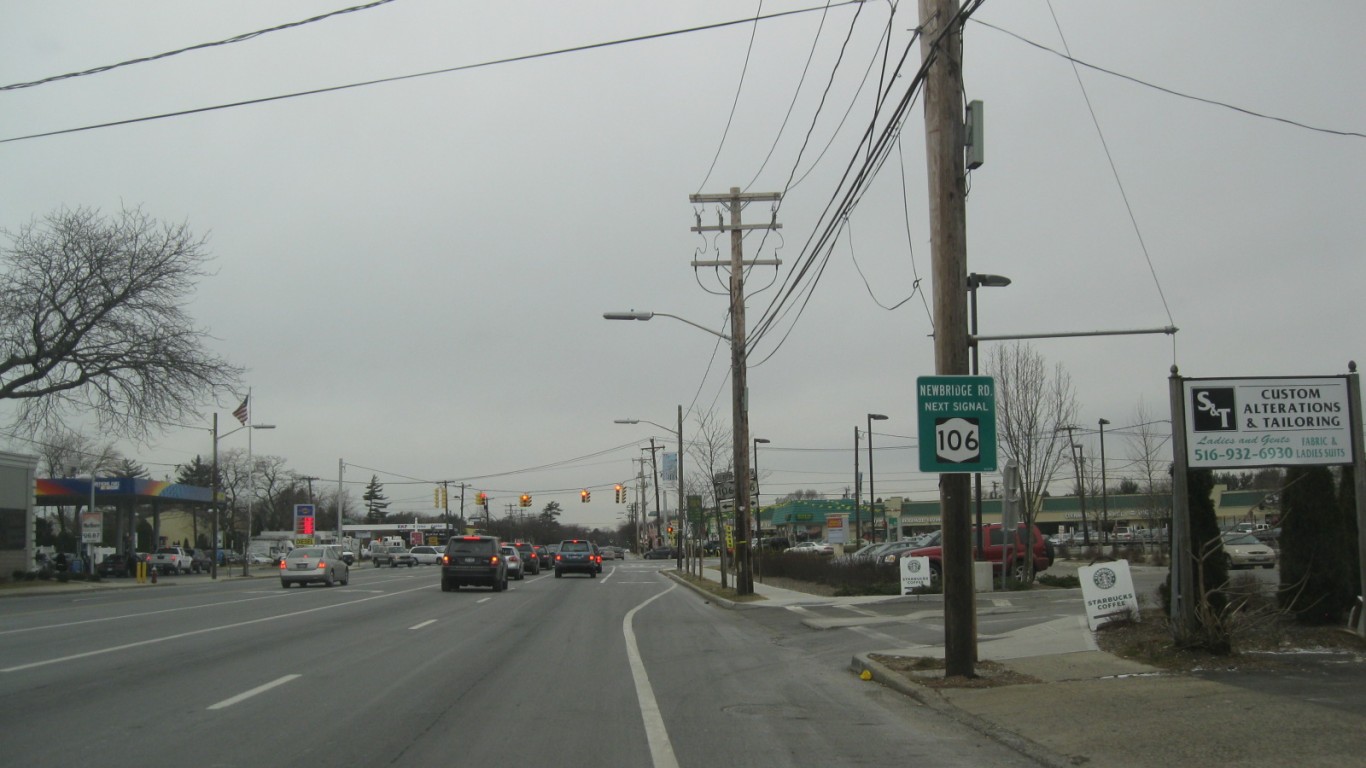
<point x="321" y="564"/>
<point x="282" y="565"/>
<point x="493" y="560"/>
<point x="445" y="559"/>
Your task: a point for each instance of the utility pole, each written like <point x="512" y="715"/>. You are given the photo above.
<point x="941" y="45"/>
<point x="735" y="199"/>
<point x="858" y="494"/>
<point x="654" y="467"/>
<point x="1073" y="449"/>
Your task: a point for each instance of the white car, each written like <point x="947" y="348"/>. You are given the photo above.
<point x="426" y="555"/>
<point x="1243" y="550"/>
<point x="813" y="548"/>
<point x="514" y="560"/>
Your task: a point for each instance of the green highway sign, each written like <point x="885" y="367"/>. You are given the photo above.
<point x="957" y="423"/>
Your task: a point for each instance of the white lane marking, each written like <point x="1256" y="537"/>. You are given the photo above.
<point x="254" y="691"/>
<point x="482" y="600"/>
<point x="661" y="749"/>
<point x="273" y="595"/>
<point x="423" y="624"/>
<point x="881" y="637"/>
<point x="249" y="622"/>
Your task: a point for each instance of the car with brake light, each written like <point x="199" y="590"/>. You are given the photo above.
<point x="308" y="565"/>
<point x="516" y="568"/>
<point x="531" y="561"/>
<point x="473" y="561"/>
<point x="577" y="556"/>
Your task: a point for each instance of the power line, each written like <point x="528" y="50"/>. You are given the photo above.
<point x="234" y="39"/>
<point x="1169" y="91"/>
<point x="416" y="75"/>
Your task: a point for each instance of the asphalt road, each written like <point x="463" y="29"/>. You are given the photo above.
<point x="624" y="670"/>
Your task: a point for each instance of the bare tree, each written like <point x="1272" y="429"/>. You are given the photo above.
<point x="92" y="319"/>
<point x="1031" y="404"/>
<point x="1151" y="457"/>
<point x="64" y="453"/>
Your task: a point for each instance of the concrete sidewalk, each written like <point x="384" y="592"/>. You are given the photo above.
<point x="1083" y="706"/>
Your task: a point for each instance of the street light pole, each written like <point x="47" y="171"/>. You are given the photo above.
<point x="251" y="494"/>
<point x="858" y="494"/>
<point x="872" y="497"/>
<point x="1104" y="494"/>
<point x="976" y="281"/>
<point x="758" y="560"/>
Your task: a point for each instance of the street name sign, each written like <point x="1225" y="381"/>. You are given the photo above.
<point x="957" y="423"/>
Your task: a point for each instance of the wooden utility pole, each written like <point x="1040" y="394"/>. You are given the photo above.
<point x="941" y="44"/>
<point x="735" y="199"/>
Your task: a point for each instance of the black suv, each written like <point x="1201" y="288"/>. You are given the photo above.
<point x="531" y="559"/>
<point x="473" y="560"/>
<point x="577" y="556"/>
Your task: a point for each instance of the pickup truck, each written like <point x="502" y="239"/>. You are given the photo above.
<point x="993" y="550"/>
<point x="171" y="560"/>
<point x="393" y="556"/>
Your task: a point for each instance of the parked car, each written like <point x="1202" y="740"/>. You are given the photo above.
<point x="516" y="569"/>
<point x="1025" y="545"/>
<point x="117" y="565"/>
<point x="577" y="556"/>
<point x="200" y="561"/>
<point x="813" y="548"/>
<point x="1244" y="550"/>
<point x="473" y="560"/>
<point x="661" y="553"/>
<point x="531" y="562"/>
<point x="425" y="555"/>
<point x="305" y="565"/>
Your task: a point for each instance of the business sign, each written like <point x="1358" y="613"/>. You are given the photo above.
<point x="1267" y="422"/>
<point x="915" y="574"/>
<point x="304" y="520"/>
<point x="835" y="531"/>
<point x="957" y="423"/>
<point x="1108" y="590"/>
<point x="92" y="527"/>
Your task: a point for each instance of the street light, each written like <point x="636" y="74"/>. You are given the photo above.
<point x="976" y="281"/>
<point x="678" y="472"/>
<point x="744" y="576"/>
<point x="872" y="497"/>
<point x="759" y="561"/>
<point x="213" y="564"/>
<point x="1104" y="494"/>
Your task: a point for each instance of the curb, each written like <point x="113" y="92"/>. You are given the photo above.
<point x="1040" y="754"/>
<point x="721" y="601"/>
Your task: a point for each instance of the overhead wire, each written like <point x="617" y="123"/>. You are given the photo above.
<point x="228" y="41"/>
<point x="1172" y="92"/>
<point x="735" y="103"/>
<point x="1114" y="169"/>
<point x="428" y="73"/>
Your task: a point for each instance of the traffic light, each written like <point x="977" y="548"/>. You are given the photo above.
<point x="671" y="530"/>
<point x="482" y="499"/>
<point x="526" y="500"/>
<point x="584" y="496"/>
<point x="436" y="497"/>
<point x="621" y="493"/>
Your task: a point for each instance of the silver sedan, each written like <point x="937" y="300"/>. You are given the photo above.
<point x="305" y="565"/>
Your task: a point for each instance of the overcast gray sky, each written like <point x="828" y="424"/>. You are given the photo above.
<point x="414" y="273"/>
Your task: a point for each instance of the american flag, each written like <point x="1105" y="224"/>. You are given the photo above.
<point x="241" y="412"/>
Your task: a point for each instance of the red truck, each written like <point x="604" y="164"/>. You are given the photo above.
<point x="994" y="549"/>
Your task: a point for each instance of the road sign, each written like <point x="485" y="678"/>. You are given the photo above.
<point x="957" y="423"/>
